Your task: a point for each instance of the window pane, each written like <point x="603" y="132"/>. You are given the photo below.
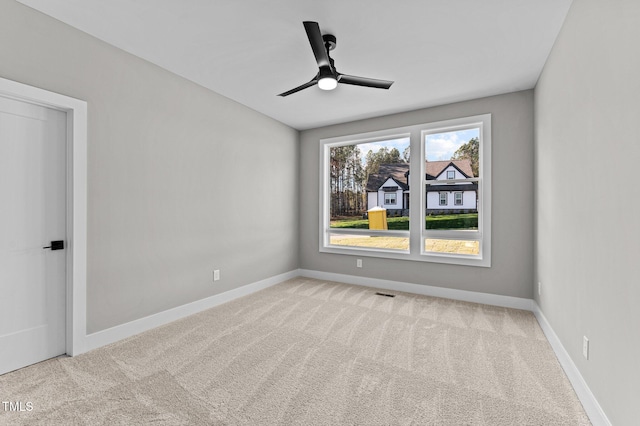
<point x="366" y="241"/>
<point x="452" y="246"/>
<point x="450" y="155"/>
<point x="389" y="199"/>
<point x="370" y="176"/>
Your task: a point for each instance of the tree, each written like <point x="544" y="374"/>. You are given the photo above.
<point x="348" y="177"/>
<point x="406" y="154"/>
<point x="383" y="156"/>
<point x="469" y="151"/>
<point x="346" y="181"/>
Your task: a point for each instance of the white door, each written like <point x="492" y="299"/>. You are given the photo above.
<point x="32" y="215"/>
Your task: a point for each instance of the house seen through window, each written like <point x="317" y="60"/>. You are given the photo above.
<point x="452" y="155"/>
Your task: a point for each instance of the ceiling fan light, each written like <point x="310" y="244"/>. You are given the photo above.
<point x="327" y="83"/>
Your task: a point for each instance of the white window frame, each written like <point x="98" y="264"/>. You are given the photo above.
<point x="483" y="233"/>
<point x="446" y="198"/>
<point x="325" y="217"/>
<point x="451" y="171"/>
<point x="395" y="198"/>
<point x="416" y="233"/>
<point x="455" y="198"/>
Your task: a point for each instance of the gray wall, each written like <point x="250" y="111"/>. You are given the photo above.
<point x="178" y="176"/>
<point x="512" y="192"/>
<point x="587" y="206"/>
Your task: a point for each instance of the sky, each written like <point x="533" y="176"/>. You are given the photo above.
<point x="439" y="146"/>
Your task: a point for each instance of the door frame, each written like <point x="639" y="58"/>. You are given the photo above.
<point x="76" y="208"/>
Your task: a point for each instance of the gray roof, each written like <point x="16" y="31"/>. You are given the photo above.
<point x="435" y="168"/>
<point x="398" y="172"/>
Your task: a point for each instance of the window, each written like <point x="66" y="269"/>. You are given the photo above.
<point x="359" y="177"/>
<point x="360" y="173"/>
<point x="390" y="198"/>
<point x="462" y="230"/>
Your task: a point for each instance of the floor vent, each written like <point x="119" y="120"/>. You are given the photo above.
<point x="385" y="294"/>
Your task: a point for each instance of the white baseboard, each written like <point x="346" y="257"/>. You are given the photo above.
<point x="119" y="332"/>
<point x="588" y="400"/>
<point x="425" y="290"/>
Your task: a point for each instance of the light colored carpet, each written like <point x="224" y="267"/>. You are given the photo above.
<point x="308" y="352"/>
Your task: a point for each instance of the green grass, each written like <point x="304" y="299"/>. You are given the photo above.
<point x="453" y="221"/>
<point x="395" y="223"/>
<point x="450" y="221"/>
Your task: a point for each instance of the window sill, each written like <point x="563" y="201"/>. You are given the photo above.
<point x="450" y="259"/>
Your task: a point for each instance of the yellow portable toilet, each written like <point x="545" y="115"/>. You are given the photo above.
<point x="377" y="218"/>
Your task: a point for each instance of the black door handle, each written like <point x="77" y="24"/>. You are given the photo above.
<point x="56" y="245"/>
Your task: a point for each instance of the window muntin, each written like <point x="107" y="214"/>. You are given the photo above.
<point x="431" y="237"/>
<point x="363" y="241"/>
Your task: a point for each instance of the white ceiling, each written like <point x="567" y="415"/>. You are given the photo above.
<point x="436" y="51"/>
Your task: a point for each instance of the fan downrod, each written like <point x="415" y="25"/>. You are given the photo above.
<point x="330" y="40"/>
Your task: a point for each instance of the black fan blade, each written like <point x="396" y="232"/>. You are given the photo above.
<point x="364" y="81"/>
<point x="317" y="44"/>
<point x="299" y="88"/>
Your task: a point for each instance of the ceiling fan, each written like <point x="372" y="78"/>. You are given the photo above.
<point x="328" y="77"/>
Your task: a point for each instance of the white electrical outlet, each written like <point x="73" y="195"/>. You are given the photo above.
<point x="539" y="288"/>
<point x="216" y="275"/>
<point x="585" y="347"/>
<point x="359" y="263"/>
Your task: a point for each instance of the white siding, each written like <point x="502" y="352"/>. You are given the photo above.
<point x="377" y="199"/>
<point x="468" y="200"/>
<point x="458" y="175"/>
<point x="433" y="200"/>
<point x="372" y="200"/>
<point x="468" y="197"/>
<point x="398" y="203"/>
<point x="389" y="182"/>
